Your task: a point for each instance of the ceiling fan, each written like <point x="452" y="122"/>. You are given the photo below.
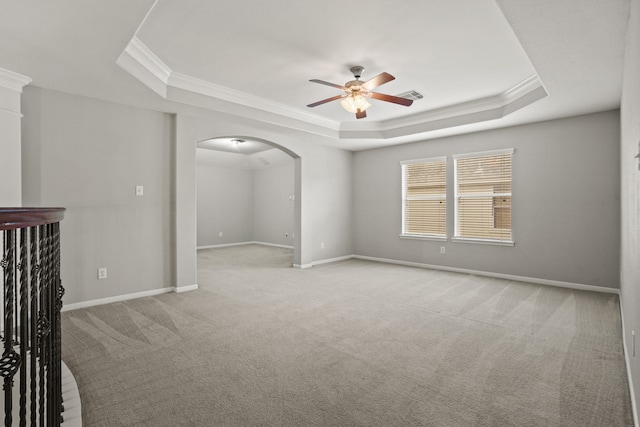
<point x="355" y="91"/>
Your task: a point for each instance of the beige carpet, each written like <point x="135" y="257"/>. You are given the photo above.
<point x="353" y="343"/>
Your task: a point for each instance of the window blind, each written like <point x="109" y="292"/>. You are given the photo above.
<point x="483" y="196"/>
<point x="424" y="188"/>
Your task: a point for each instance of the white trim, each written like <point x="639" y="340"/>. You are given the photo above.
<point x="135" y="57"/>
<point x="302" y="266"/>
<point x="557" y="283"/>
<point x="427" y="160"/>
<point x="330" y="260"/>
<point x="275" y="245"/>
<point x="627" y="362"/>
<point x="483" y="241"/>
<point x="423" y="237"/>
<point x="149" y="60"/>
<point x="181" y="289"/>
<point x="484" y="153"/>
<point x="13" y="81"/>
<point x="521" y="89"/>
<point x="497" y="106"/>
<point x="225" y="245"/>
<point x="14" y="113"/>
<point x="117" y="298"/>
<point x="535" y="280"/>
<point x="204" y="87"/>
<point x="144" y="65"/>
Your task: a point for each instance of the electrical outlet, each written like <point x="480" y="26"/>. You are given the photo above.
<point x="442" y="249"/>
<point x="321" y="245"/>
<point x="102" y="273"/>
<point x="220" y="234"/>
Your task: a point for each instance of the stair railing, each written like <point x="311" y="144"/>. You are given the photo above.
<point x="31" y="300"/>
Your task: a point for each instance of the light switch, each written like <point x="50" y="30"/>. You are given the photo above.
<point x="139" y="190"/>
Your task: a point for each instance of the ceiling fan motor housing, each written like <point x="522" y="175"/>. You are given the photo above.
<point x="354" y="85"/>
<point x="357" y="71"/>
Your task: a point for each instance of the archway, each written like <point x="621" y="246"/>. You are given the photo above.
<point x="226" y="167"/>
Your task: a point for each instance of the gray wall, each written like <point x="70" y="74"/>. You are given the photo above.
<point x="225" y="203"/>
<point x="630" y="189"/>
<point x="322" y="185"/>
<point x="246" y="205"/>
<point x="10" y="143"/>
<point x="273" y="209"/>
<point x="566" y="202"/>
<point x="88" y="156"/>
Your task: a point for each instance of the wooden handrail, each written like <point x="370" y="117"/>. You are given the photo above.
<point x="13" y="218"/>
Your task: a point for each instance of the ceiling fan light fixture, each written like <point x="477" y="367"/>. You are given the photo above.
<point x="353" y="103"/>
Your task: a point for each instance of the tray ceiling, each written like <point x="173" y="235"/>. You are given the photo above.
<point x="479" y="65"/>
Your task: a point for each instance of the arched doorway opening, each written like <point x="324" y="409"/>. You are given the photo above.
<point x="248" y="191"/>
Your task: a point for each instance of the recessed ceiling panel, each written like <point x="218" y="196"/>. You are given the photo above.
<point x="450" y="51"/>
<point x="234" y="145"/>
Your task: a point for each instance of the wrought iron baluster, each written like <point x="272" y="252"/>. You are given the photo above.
<point x="23" y="324"/>
<point x="30" y="303"/>
<point x="10" y="361"/>
<point x="44" y="357"/>
<point x="35" y="268"/>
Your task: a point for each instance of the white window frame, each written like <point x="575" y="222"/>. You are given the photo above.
<point x="444" y="198"/>
<point x="456" y="236"/>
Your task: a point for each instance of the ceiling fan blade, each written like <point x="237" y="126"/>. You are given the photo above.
<point x="378" y="80"/>
<point x="322" y="82"/>
<point x="361" y="114"/>
<point x="324" y="101"/>
<point x="390" y="98"/>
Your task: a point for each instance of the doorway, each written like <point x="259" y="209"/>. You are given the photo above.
<point x="246" y="193"/>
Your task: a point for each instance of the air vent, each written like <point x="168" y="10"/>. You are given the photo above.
<point x="412" y="94"/>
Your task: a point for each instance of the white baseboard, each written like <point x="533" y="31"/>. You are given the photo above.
<point x="275" y="245"/>
<point x="632" y="394"/>
<point x="180" y="289"/>
<point x="125" y="297"/>
<point x="538" y="281"/>
<point x="323" y="261"/>
<point x="330" y="260"/>
<point x="226" y="245"/>
<point x="117" y="298"/>
<point x="302" y="266"/>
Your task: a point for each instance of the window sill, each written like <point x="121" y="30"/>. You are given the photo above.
<point x="422" y="237"/>
<point x="483" y="241"/>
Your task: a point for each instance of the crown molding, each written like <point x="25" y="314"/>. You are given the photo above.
<point x="204" y="87"/>
<point x="139" y="61"/>
<point x="520" y="95"/>
<point x="142" y="63"/>
<point x="148" y="59"/>
<point x="13" y="81"/>
<point x="471" y="107"/>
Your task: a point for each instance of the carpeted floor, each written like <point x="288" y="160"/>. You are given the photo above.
<point x="353" y="343"/>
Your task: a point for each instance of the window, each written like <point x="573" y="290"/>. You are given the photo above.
<point x="424" y="198"/>
<point x="483" y="196"/>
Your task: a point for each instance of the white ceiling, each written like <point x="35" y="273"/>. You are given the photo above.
<point x="235" y="145"/>
<point x="479" y="64"/>
<point x="264" y="159"/>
